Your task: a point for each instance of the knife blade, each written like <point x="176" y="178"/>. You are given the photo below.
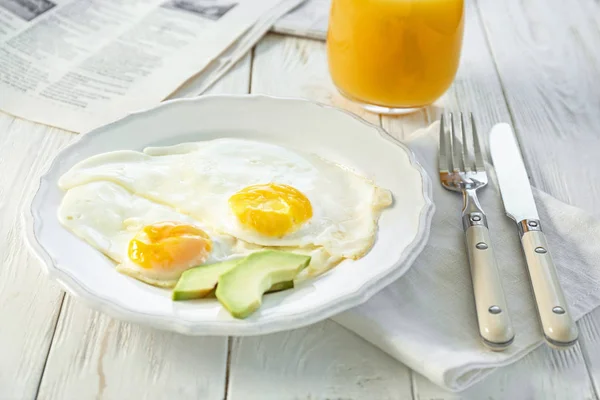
<point x="555" y="318"/>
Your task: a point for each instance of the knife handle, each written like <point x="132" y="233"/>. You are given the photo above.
<point x="492" y="313"/>
<point x="556" y="319"/>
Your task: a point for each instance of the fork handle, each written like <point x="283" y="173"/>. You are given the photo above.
<point x="493" y="318"/>
<point x="557" y="322"/>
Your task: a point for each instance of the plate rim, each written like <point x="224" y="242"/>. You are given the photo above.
<point x="225" y="328"/>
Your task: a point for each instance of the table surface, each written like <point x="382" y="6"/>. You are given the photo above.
<point x="532" y="63"/>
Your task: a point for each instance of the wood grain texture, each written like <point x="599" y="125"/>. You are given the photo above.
<point x="291" y="67"/>
<point x="95" y="356"/>
<point x="29" y="302"/>
<point x="546" y="52"/>
<point x="589" y="332"/>
<point x="236" y="81"/>
<point x="323" y="361"/>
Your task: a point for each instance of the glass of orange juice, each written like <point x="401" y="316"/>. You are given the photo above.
<point x="394" y="56"/>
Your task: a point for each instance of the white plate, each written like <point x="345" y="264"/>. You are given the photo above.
<point x="329" y="132"/>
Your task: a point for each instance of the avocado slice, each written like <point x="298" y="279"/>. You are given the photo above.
<point x="198" y="282"/>
<point x="278" y="287"/>
<point x="240" y="290"/>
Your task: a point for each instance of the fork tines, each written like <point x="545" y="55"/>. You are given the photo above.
<point x="454" y="155"/>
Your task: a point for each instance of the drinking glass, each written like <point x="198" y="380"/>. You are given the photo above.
<point x="394" y="56"/>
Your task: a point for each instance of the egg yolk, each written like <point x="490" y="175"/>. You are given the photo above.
<point x="271" y="209"/>
<point x="169" y="245"/>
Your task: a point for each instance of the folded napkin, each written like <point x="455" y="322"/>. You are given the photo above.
<point x="427" y="318"/>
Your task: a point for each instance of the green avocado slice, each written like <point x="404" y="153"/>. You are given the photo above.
<point x="200" y="281"/>
<point x="240" y="290"/>
<point x="278" y="287"/>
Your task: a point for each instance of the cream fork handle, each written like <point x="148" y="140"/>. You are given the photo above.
<point x="492" y="312"/>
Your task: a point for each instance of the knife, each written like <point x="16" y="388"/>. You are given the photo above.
<point x="557" y="322"/>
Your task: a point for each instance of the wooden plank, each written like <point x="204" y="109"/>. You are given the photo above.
<point x="292" y="67"/>
<point x="589" y="332"/>
<point x="546" y="52"/>
<point x="95" y="356"/>
<point x="323" y="361"/>
<point x="29" y="302"/>
<point x="544" y="374"/>
<point x="235" y="81"/>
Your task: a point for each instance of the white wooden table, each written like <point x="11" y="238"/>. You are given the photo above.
<point x="533" y="63"/>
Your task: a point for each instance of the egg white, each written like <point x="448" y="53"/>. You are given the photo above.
<point x="107" y="216"/>
<point x="197" y="179"/>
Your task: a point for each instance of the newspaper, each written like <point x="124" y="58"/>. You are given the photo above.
<point x="309" y="20"/>
<point x="79" y="64"/>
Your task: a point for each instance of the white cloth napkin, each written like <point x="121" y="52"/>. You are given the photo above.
<point x="427" y="318"/>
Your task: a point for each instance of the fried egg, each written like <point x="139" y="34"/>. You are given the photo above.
<point x="148" y="241"/>
<point x="260" y="193"/>
<point x="152" y="242"/>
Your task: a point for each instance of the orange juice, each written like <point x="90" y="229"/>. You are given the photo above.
<point x="394" y="53"/>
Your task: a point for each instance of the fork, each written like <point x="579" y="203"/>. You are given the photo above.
<point x="459" y="173"/>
